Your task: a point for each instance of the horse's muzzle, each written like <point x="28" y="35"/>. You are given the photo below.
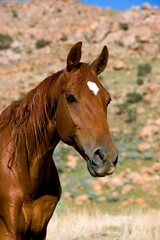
<point x="100" y="165"/>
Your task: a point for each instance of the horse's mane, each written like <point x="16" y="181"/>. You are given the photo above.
<point x="33" y="106"/>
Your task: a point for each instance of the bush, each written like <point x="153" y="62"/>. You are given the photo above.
<point x="121" y="108"/>
<point x="64" y="37"/>
<point x="29" y="51"/>
<point x="113" y="198"/>
<point x="124" y="26"/>
<point x="120" y="43"/>
<point x="101" y="78"/>
<point x="41" y="43"/>
<point x="144" y="69"/>
<point x="14" y="13"/>
<point x="134" y="97"/>
<point x="5" y="41"/>
<point x="16" y="50"/>
<point x="140" y="81"/>
<point x="131" y="115"/>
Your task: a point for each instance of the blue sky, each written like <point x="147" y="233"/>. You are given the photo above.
<point x="120" y="4"/>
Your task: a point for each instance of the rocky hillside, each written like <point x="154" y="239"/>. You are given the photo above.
<point x="34" y="41"/>
<point x="59" y="24"/>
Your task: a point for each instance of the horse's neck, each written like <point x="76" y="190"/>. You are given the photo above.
<point x="41" y="145"/>
<point x="41" y="154"/>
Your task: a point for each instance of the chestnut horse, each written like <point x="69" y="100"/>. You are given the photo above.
<point x="71" y="106"/>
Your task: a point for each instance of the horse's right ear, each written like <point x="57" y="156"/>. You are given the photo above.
<point x="74" y="56"/>
<point x="101" y="62"/>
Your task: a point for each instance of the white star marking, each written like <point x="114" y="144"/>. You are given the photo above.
<point x="93" y="87"/>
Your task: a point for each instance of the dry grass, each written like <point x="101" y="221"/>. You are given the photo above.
<point x="84" y="226"/>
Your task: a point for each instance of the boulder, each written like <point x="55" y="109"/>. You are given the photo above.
<point x="149" y="131"/>
<point x="82" y="199"/>
<point x="146" y="6"/>
<point x="127" y="188"/>
<point x="143" y="147"/>
<point x="119" y="65"/>
<point x="140" y="201"/>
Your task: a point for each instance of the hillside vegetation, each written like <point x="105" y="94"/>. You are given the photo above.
<point x="34" y="41"/>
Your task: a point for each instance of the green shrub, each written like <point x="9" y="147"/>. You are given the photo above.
<point x="140" y="81"/>
<point x="120" y="43"/>
<point x="101" y="78"/>
<point x="29" y="51"/>
<point x="148" y="155"/>
<point x="134" y="97"/>
<point x="41" y="43"/>
<point x="144" y="69"/>
<point x="121" y="108"/>
<point x="92" y="196"/>
<point x="113" y="198"/>
<point x="73" y="193"/>
<point x="124" y="26"/>
<point x="5" y="41"/>
<point x="16" y="50"/>
<point x="64" y="37"/>
<point x="131" y="115"/>
<point x="14" y="13"/>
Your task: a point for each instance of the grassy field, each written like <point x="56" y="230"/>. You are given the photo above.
<point x="85" y="225"/>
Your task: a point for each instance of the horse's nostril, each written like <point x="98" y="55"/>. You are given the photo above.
<point x="98" y="158"/>
<point x="115" y="161"/>
<point x="99" y="153"/>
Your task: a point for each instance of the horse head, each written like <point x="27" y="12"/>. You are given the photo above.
<point x="81" y="112"/>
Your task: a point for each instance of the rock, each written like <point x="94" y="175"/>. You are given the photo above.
<point x="12" y="57"/>
<point x="114" y="197"/>
<point x="140" y="201"/>
<point x="143" y="147"/>
<point x="157" y="122"/>
<point x="140" y="110"/>
<point x="126" y="203"/>
<point x="133" y="177"/>
<point x="113" y="37"/>
<point x="97" y="187"/>
<point x="156" y="167"/>
<point x="151" y="49"/>
<point x="103" y="28"/>
<point x="67" y="196"/>
<point x="153" y="23"/>
<point x="116" y="182"/>
<point x="148" y="131"/>
<point x="119" y="65"/>
<point x="150" y="187"/>
<point x="129" y="40"/>
<point x="127" y="188"/>
<point x="81" y="199"/>
<point x="72" y="162"/>
<point x="146" y="6"/>
<point x="144" y="34"/>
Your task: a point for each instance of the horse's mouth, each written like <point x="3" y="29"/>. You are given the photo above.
<point x="98" y="171"/>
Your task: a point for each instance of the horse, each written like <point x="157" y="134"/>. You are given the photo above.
<point x="71" y="106"/>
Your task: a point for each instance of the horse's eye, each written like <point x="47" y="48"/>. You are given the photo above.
<point x="70" y="98"/>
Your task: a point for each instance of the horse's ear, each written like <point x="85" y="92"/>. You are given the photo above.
<point x="101" y="62"/>
<point x="74" y="56"/>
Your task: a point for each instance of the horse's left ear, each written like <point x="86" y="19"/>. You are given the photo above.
<point x="101" y="62"/>
<point x="74" y="56"/>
